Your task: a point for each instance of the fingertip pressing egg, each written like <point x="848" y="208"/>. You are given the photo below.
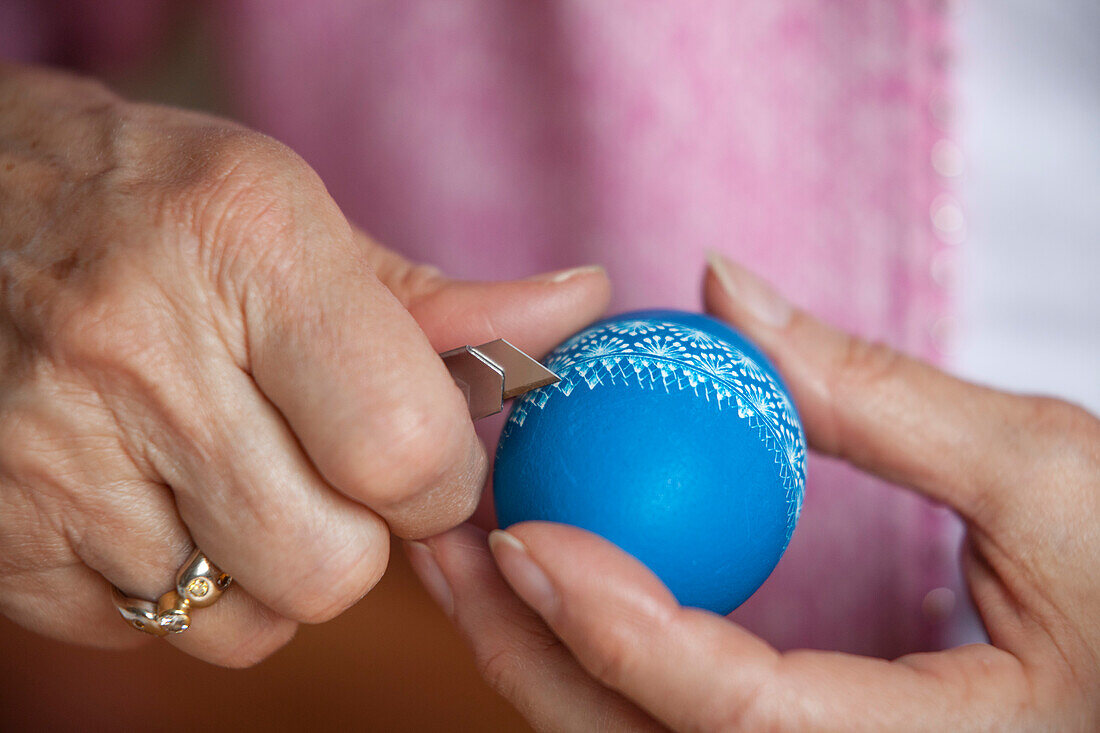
<point x="673" y="437"/>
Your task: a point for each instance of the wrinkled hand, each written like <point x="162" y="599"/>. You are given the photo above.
<point x="609" y="647"/>
<point x="196" y="347"/>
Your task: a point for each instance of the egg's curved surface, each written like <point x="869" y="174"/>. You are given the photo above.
<point x="670" y="435"/>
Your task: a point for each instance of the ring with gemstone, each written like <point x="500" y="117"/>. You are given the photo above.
<point x="198" y="584"/>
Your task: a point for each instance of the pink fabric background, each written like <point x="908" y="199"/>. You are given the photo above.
<point x="497" y="138"/>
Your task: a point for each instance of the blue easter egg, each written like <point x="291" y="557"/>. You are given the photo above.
<point x="673" y="437"/>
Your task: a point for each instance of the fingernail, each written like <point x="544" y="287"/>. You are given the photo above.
<point x="749" y="291"/>
<point x="522" y="573"/>
<point x="427" y="569"/>
<point x="561" y="276"/>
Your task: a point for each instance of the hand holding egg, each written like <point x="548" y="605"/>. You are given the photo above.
<point x="610" y="646"/>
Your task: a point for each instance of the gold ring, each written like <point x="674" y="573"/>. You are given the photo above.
<point x="198" y="584"/>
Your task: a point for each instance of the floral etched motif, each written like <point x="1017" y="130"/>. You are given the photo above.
<point x="704" y="341"/>
<point x="673" y="357"/>
<point x="604" y="345"/>
<point x="658" y="345"/>
<point x="718" y="365"/>
<point x="636" y="328"/>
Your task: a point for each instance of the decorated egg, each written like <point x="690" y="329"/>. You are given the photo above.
<point x="673" y="437"/>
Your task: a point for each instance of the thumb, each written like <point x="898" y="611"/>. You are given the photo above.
<point x="534" y="314"/>
<point x="874" y="407"/>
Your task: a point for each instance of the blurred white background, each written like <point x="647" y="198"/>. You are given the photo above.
<point x="1029" y="126"/>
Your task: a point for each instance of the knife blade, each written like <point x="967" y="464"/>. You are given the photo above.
<point x="494" y="372"/>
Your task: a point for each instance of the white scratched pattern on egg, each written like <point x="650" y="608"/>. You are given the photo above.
<point x="663" y="355"/>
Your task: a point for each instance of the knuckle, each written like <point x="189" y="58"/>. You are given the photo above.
<point x="234" y="157"/>
<point x="125" y="342"/>
<point x="751" y="712"/>
<point x="82" y="88"/>
<point x="341" y="579"/>
<point x="237" y="180"/>
<point x="419" y="447"/>
<point x="501" y="663"/>
<point x="251" y="649"/>
<point x="1064" y="430"/>
<point x="413" y="283"/>
<point x="417" y="279"/>
<point x="500" y="667"/>
<point x="865" y="364"/>
<point x="113" y="315"/>
<point x="615" y="653"/>
<point x="761" y="700"/>
<point x="242" y="196"/>
<point x="1062" y="416"/>
<point x="28" y="450"/>
<point x="75" y="89"/>
<point x="1050" y="412"/>
<point x="112" y="328"/>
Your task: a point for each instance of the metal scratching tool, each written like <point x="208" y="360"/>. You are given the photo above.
<point x="492" y="373"/>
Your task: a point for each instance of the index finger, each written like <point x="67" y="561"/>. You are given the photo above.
<point x="349" y="368"/>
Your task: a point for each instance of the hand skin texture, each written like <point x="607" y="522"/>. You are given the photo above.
<point x="598" y="643"/>
<point x="196" y="347"/>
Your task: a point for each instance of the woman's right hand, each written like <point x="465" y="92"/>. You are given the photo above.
<point x="197" y="348"/>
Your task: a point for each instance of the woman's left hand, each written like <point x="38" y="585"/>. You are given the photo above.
<point x="597" y="642"/>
